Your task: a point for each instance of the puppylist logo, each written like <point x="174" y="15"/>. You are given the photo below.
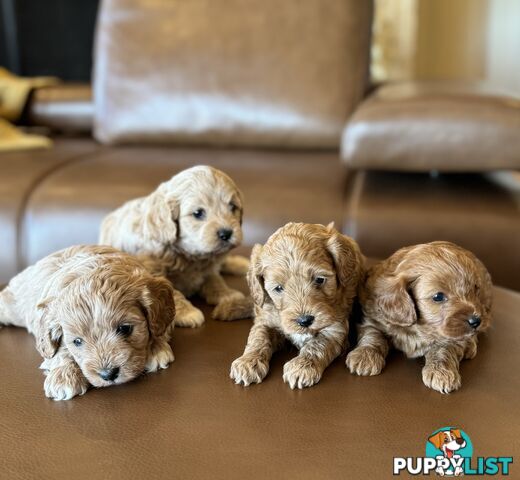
<point x="449" y="452"/>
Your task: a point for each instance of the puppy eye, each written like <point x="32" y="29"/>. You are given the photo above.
<point x="319" y="281"/>
<point x="124" y="330"/>
<point x="78" y="342"/>
<point x="199" y="214"/>
<point x="233" y="207"/>
<point x="278" y="289"/>
<point x="439" y="297"/>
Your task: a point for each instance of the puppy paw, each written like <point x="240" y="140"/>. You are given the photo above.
<point x="159" y="356"/>
<point x="248" y="369"/>
<point x="231" y="296"/>
<point x="365" y="361"/>
<point x="441" y="379"/>
<point x="471" y="350"/>
<point x="64" y="383"/>
<point x="301" y="372"/>
<point x="233" y="308"/>
<point x="190" y="318"/>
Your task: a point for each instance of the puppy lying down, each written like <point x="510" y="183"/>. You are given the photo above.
<point x="303" y="282"/>
<point x="98" y="316"/>
<point x="427" y="300"/>
<point x="184" y="230"/>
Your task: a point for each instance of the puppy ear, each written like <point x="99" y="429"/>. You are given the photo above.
<point x="47" y="330"/>
<point x="395" y="301"/>
<point x="348" y="261"/>
<point x="240" y="197"/>
<point x="159" y="220"/>
<point x="437" y="440"/>
<point x="255" y="277"/>
<point x="456" y="432"/>
<point x="159" y="306"/>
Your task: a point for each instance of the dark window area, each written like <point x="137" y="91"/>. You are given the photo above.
<point x="48" y="37"/>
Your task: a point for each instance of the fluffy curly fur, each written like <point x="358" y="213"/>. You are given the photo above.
<point x="184" y="231"/>
<point x="427" y="300"/>
<point x="303" y="282"/>
<point x="98" y="316"/>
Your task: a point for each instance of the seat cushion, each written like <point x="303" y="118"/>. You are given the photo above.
<point x="20" y="173"/>
<point x="230" y="72"/>
<point x="434" y="126"/>
<point x="387" y="211"/>
<point x="192" y="421"/>
<point x="279" y="186"/>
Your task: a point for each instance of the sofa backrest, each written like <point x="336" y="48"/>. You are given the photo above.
<point x="258" y="72"/>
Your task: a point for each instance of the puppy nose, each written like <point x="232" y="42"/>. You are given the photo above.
<point x="474" y="321"/>
<point x="225" y="234"/>
<point x="460" y="441"/>
<point x="109" y="374"/>
<point x="305" y="320"/>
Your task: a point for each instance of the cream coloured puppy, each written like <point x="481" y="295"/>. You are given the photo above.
<point x="98" y="316"/>
<point x="184" y="230"/>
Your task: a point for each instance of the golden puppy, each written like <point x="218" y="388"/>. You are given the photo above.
<point x="303" y="282"/>
<point x="184" y="231"/>
<point x="98" y="316"/>
<point x="427" y="300"/>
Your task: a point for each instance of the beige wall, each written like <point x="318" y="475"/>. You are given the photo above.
<point x="448" y="39"/>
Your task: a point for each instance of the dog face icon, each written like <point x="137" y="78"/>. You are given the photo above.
<point x="448" y="441"/>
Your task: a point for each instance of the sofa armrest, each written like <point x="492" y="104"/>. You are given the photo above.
<point x="443" y="126"/>
<point x="65" y="108"/>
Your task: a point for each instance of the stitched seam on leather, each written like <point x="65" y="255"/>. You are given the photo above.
<point x="21" y="244"/>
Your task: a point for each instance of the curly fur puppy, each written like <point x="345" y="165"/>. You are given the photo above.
<point x="427" y="300"/>
<point x="98" y="316"/>
<point x="303" y="282"/>
<point x="184" y="231"/>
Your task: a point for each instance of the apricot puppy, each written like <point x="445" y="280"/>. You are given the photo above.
<point x="98" y="316"/>
<point x="303" y="282"/>
<point x="184" y="231"/>
<point x="427" y="300"/>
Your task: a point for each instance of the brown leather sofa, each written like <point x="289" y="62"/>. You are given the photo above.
<point x="418" y="162"/>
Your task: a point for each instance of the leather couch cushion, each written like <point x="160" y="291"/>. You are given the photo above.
<point x="434" y="126"/>
<point x="279" y="186"/>
<point x="192" y="421"/>
<point x="20" y="173"/>
<point x="383" y="211"/>
<point x="230" y="72"/>
<point x="387" y="211"/>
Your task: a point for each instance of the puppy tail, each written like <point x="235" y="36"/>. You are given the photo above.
<point x="236" y="265"/>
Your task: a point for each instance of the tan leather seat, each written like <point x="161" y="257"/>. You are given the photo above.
<point x="191" y="421"/>
<point x="20" y="173"/>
